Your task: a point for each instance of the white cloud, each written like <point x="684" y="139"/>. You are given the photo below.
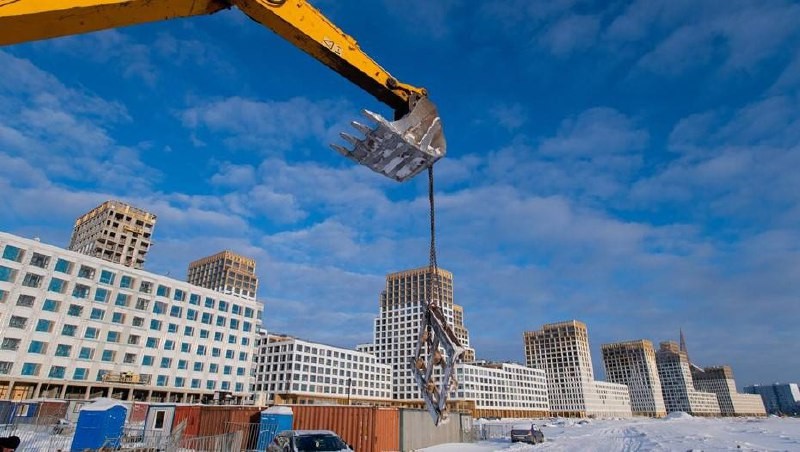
<point x="570" y="34"/>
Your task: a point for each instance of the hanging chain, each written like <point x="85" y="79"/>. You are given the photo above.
<point x="435" y="286"/>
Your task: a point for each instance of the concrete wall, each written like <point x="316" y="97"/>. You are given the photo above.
<point x="418" y="431"/>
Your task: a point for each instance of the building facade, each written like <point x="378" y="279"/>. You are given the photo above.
<point x="562" y="351"/>
<point x="291" y="370"/>
<point x="633" y="363"/>
<point x="720" y="381"/>
<point x="503" y="389"/>
<point x="778" y="398"/>
<point x="116" y="232"/>
<point x="225" y="272"/>
<point x="677" y="385"/>
<point x="73" y="325"/>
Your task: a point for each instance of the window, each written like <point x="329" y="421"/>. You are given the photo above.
<point x="142" y="303"/>
<point x="75" y="310"/>
<point x="203" y="334"/>
<point x="245" y="341"/>
<point x="147" y="360"/>
<point x="247" y="326"/>
<point x="37" y="347"/>
<point x="218" y="336"/>
<point x="57" y="285"/>
<point x="180" y="382"/>
<point x="188" y="331"/>
<point x="97" y="314"/>
<point x="198" y="366"/>
<point x="133" y="339"/>
<point x="91" y="332"/>
<point x="3" y="296"/>
<point x="138" y="321"/>
<point x="231" y="339"/>
<point x="101" y="295"/>
<point x="166" y="363"/>
<point x="220" y="320"/>
<point x="186" y="347"/>
<point x="182" y="364"/>
<point x="25" y="301"/>
<point x="229" y="354"/>
<point x="226" y="386"/>
<point x="80" y="373"/>
<point x="107" y="277"/>
<point x="126" y="282"/>
<point x="195" y="383"/>
<point x="152" y="342"/>
<point x="172" y="328"/>
<point x="146" y="287"/>
<point x="155" y="324"/>
<point x="175" y="311"/>
<point x="10" y="344"/>
<point x="201" y="350"/>
<point x="194" y="299"/>
<point x="163" y="291"/>
<point x="169" y="344"/>
<point x="159" y="307"/>
<point x="7" y="274"/>
<point x="226" y="370"/>
<point x="248" y="312"/>
<point x="63" y="350"/>
<point x="242" y="356"/>
<point x="13" y="253"/>
<point x="234" y="324"/>
<point x="86" y="353"/>
<point x="211" y="384"/>
<point x="206" y="318"/>
<point x="213" y="368"/>
<point x="108" y="356"/>
<point x="30" y="369"/>
<point x="179" y="295"/>
<point x="191" y="314"/>
<point x="240" y="371"/>
<point x="118" y="317"/>
<point x="113" y="336"/>
<point x="223" y="305"/>
<point x="17" y="322"/>
<point x="40" y="260"/>
<point x="44" y="326"/>
<point x="32" y="280"/>
<point x="122" y="299"/>
<point x="69" y="330"/>
<point x="5" y="367"/>
<point x="63" y="266"/>
<point x="129" y="358"/>
<point x="101" y="373"/>
<point x="51" y="305"/>
<point x="80" y="291"/>
<point x="236" y="309"/>
<point x="239" y="387"/>
<point x="216" y="352"/>
<point x="209" y="303"/>
<point x="86" y="272"/>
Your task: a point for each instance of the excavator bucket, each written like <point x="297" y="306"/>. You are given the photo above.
<point x="398" y="149"/>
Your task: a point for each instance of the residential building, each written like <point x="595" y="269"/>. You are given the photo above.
<point x="720" y="381"/>
<point x="778" y="398"/>
<point x="73" y="325"/>
<point x="116" y="232"/>
<point x="633" y="363"/>
<point x="562" y="351"/>
<point x="677" y="385"/>
<point x="226" y="272"/>
<point x="292" y="370"/>
<point x="504" y="389"/>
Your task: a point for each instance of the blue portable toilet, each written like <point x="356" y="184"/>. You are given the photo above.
<point x="273" y="420"/>
<point x="100" y="424"/>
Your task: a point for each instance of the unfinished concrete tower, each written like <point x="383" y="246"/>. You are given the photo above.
<point x="226" y="272"/>
<point x="633" y="363"/>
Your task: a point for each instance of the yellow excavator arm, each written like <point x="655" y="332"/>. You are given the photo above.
<point x="399" y="149"/>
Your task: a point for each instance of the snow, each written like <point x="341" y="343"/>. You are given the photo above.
<point x="680" y="432"/>
<point x="279" y="410"/>
<point x="102" y="404"/>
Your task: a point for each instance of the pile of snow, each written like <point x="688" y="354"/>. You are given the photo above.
<point x="679" y="415"/>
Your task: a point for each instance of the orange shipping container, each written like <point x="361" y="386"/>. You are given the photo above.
<point x="189" y="413"/>
<point x="366" y="429"/>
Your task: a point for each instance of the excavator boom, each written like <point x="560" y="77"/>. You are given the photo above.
<point x="399" y="149"/>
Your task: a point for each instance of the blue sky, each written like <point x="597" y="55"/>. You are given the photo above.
<point x="629" y="164"/>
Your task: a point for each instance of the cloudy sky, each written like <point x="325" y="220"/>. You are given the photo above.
<point x="633" y="165"/>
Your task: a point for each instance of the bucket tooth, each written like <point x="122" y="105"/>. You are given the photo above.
<point x="341" y="150"/>
<point x="350" y="138"/>
<point x="366" y="130"/>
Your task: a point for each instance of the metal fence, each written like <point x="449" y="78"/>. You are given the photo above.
<point x="45" y="433"/>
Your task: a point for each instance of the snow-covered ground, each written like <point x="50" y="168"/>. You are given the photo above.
<point x="679" y="432"/>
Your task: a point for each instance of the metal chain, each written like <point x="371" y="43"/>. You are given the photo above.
<point x="435" y="286"/>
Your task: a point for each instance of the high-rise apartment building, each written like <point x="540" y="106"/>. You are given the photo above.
<point x="562" y="351"/>
<point x="226" y="272"/>
<point x="116" y="232"/>
<point x="677" y="385"/>
<point x="75" y="326"/>
<point x="292" y="370"/>
<point x="720" y="381"/>
<point x="778" y="398"/>
<point x="487" y="389"/>
<point x="633" y="363"/>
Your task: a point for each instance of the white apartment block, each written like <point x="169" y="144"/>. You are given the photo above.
<point x="720" y="381"/>
<point x="677" y="386"/>
<point x="633" y="363"/>
<point x="396" y="332"/>
<point x="291" y="370"/>
<point x="73" y="325"/>
<point x="500" y="390"/>
<point x="562" y="351"/>
<point x="116" y="232"/>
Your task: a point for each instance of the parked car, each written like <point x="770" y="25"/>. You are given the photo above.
<point x="526" y="434"/>
<point x="308" y="440"/>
